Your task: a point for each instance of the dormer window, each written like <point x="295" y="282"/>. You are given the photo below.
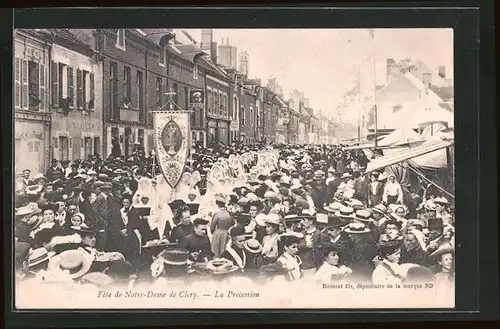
<point x="163" y="55"/>
<point x="195" y="71"/>
<point x="120" y="39"/>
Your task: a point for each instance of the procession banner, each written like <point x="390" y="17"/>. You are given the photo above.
<point x="197" y="98"/>
<point x="172" y="140"/>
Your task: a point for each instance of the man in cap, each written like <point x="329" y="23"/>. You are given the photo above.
<point x="198" y="243"/>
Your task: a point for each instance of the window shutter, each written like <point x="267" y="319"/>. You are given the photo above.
<point x="134" y="92"/>
<point x="25" y="89"/>
<point x="71" y="87"/>
<point x="79" y="89"/>
<point x="55" y="83"/>
<point x="92" y="93"/>
<point x="17" y="83"/>
<point x="42" y="87"/>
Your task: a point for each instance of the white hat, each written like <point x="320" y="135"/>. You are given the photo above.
<point x="322" y="218"/>
<point x="382" y="176"/>
<point x="441" y="200"/>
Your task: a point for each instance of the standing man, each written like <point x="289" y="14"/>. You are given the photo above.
<point x="101" y="210"/>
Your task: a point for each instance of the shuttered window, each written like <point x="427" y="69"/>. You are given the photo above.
<point x="71" y="87"/>
<point x="24" y="85"/>
<point x="92" y="92"/>
<point x="63" y="148"/>
<point x="17" y="83"/>
<point x="55" y="84"/>
<point x="79" y="89"/>
<point x="43" y="88"/>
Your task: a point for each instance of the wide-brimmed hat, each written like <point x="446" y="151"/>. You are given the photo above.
<point x="34" y="189"/>
<point x="38" y="256"/>
<point x="28" y="210"/>
<point x="356" y="228"/>
<point x="272" y="219"/>
<point x="307" y="214"/>
<point x="333" y="207"/>
<point x="97" y="278"/>
<point x="345" y="212"/>
<point x="261" y="219"/>
<point x="363" y="216"/>
<point x="253" y="246"/>
<point x="382" y="177"/>
<point x="443" y="249"/>
<point x="107" y="185"/>
<point x="380" y="208"/>
<point x="75" y="261"/>
<point x="346" y="175"/>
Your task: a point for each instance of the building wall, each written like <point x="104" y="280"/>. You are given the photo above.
<point x="132" y="122"/>
<point x="247" y="127"/>
<point x="218" y="108"/>
<point x="399" y="89"/>
<point x="81" y="126"/>
<point x="31" y="123"/>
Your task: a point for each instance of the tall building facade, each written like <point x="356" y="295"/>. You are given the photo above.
<point x="31" y="101"/>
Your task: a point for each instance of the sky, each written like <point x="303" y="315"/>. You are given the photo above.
<point x="324" y="63"/>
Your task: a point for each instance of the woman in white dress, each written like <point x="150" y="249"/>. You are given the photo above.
<point x="332" y="268"/>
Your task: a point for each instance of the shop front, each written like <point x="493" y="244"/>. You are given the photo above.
<point x="32" y="142"/>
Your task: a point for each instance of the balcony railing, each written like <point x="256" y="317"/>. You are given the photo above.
<point x="129" y="115"/>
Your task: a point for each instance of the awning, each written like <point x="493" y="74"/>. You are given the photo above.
<point x="406" y="154"/>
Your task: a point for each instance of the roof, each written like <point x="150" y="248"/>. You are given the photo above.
<point x="421" y="87"/>
<point x="190" y="51"/>
<point x="158" y="36"/>
<point x="445" y="92"/>
<point x="407" y="154"/>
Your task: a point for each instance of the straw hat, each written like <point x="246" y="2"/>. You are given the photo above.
<point x="382" y="177"/>
<point x="97" y="278"/>
<point x="39" y="256"/>
<point x="445" y="248"/>
<point x="356" y="228"/>
<point x="273" y="219"/>
<point x="345" y="212"/>
<point x="74" y="261"/>
<point x="253" y="246"/>
<point x="362" y="216"/>
<point x="333" y="207"/>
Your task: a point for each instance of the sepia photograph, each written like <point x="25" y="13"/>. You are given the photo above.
<point x="234" y="168"/>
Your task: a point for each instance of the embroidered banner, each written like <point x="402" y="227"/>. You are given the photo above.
<point x="197" y="98"/>
<point x="172" y="140"/>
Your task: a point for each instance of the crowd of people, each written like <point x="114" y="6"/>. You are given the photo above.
<point x="266" y="213"/>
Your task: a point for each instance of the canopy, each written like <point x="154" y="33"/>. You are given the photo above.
<point x="400" y="136"/>
<point x="406" y="154"/>
<point x="433" y="114"/>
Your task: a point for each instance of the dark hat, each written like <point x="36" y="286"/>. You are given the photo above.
<point x="329" y="247"/>
<point x="120" y="270"/>
<point x="143" y="211"/>
<point x="176" y="204"/>
<point x="236" y="231"/>
<point x="83" y="229"/>
<point x="262" y="177"/>
<point x="393" y="222"/>
<point x="288" y="239"/>
<point x="200" y="221"/>
<point x="243" y="217"/>
<point x="435" y="224"/>
<point x="175" y="256"/>
<point x="193" y="207"/>
<point x="286" y="185"/>
<point x="334" y="222"/>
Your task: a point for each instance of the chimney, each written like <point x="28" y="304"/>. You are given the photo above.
<point x="442" y="71"/>
<point x="405" y="65"/>
<point x="427" y="79"/>
<point x="391" y="68"/>
<point x="413" y="70"/>
<point x="213" y="52"/>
